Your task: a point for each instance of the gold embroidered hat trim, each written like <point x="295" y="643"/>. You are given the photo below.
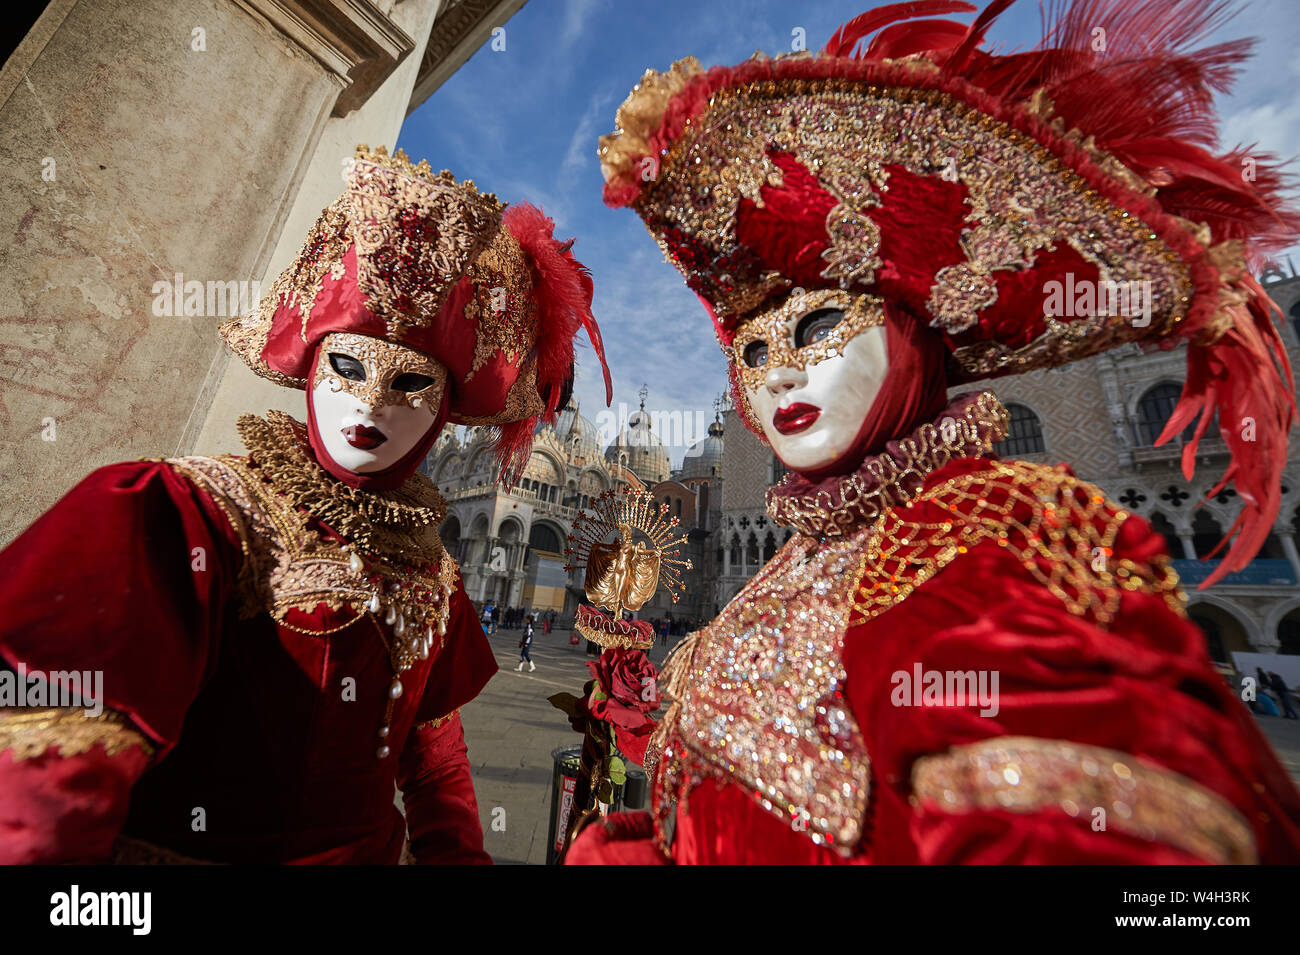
<point x="1027" y="774"/>
<point x="1024" y="201"/>
<point x="967" y="428"/>
<point x="416" y="234"/>
<point x="26" y="733"/>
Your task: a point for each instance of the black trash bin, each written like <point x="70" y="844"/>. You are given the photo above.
<point x="564" y="779"/>
<point x="636" y="791"/>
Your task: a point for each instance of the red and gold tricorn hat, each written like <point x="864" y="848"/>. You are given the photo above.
<point x="960" y="185"/>
<point x="425" y="261"/>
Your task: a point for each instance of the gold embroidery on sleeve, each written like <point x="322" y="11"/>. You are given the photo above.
<point x="1026" y="774"/>
<point x="27" y="733"/>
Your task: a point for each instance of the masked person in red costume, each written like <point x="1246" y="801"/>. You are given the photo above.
<point x="958" y="658"/>
<point x="282" y="636"/>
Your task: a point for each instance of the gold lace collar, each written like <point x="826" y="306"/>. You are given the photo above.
<point x="401" y="523"/>
<point x="967" y="428"/>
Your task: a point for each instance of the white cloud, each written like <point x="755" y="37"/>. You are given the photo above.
<point x="577" y="18"/>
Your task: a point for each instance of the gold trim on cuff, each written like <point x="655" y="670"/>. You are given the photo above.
<point x="1027" y="774"/>
<point x="434" y="724"/>
<point x="28" y="732"/>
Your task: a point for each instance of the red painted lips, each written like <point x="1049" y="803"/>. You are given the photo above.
<point x="364" y="437"/>
<point x="798" y="417"/>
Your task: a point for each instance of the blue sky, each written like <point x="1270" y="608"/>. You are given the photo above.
<point x="523" y="122"/>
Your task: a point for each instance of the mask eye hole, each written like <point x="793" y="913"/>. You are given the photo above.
<point x="815" y="326"/>
<point x="756" y="354"/>
<point x="348" y="367"/>
<point x="410" y="381"/>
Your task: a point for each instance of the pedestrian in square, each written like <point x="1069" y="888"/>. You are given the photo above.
<point x="525" y="643"/>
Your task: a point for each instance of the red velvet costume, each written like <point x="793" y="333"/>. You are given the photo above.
<point x="957" y="658"/>
<point x="285" y="643"/>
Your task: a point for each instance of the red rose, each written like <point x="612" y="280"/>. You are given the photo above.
<point x="629" y="689"/>
<point x="632" y="743"/>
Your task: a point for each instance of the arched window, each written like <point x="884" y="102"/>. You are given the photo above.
<point x="1206" y="534"/>
<point x="1213" y="638"/>
<point x="1295" y="318"/>
<point x="1154" y="409"/>
<point x="543" y="537"/>
<point x="1024" y="433"/>
<point x="450" y="533"/>
<point x="1288" y="633"/>
<point x="1165" y="528"/>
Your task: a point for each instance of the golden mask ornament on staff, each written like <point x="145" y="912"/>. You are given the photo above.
<point x="630" y="547"/>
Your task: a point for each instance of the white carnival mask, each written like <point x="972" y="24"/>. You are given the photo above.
<point x="811" y="369"/>
<point x="373" y="400"/>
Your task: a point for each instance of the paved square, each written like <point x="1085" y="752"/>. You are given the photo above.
<point x="511" y="729"/>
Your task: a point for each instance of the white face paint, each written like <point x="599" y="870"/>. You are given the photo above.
<point x="373" y="400"/>
<point x="827" y="363"/>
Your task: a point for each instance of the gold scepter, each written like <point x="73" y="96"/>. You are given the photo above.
<point x="630" y="546"/>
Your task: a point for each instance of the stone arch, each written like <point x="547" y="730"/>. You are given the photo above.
<point x="546" y="536"/>
<point x="479" y="464"/>
<point x="1284" y="612"/>
<point x="1225" y="625"/>
<point x="510" y="530"/>
<point x="448" y="469"/>
<point x="1151" y="408"/>
<point x="550" y="457"/>
<point x="593" y="481"/>
<point x="1162" y="525"/>
<point x="450" y="534"/>
<point x="475" y="549"/>
<point x="1207" y="532"/>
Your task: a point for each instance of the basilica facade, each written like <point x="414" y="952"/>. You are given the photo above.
<point x="510" y="543"/>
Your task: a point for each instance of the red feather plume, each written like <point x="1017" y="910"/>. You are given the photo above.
<point x="563" y="290"/>
<point x="1133" y="75"/>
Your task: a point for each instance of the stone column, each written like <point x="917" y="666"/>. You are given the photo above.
<point x="145" y="141"/>
<point x="1289" y="548"/>
<point x="236" y="389"/>
<point x="1189" y="548"/>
